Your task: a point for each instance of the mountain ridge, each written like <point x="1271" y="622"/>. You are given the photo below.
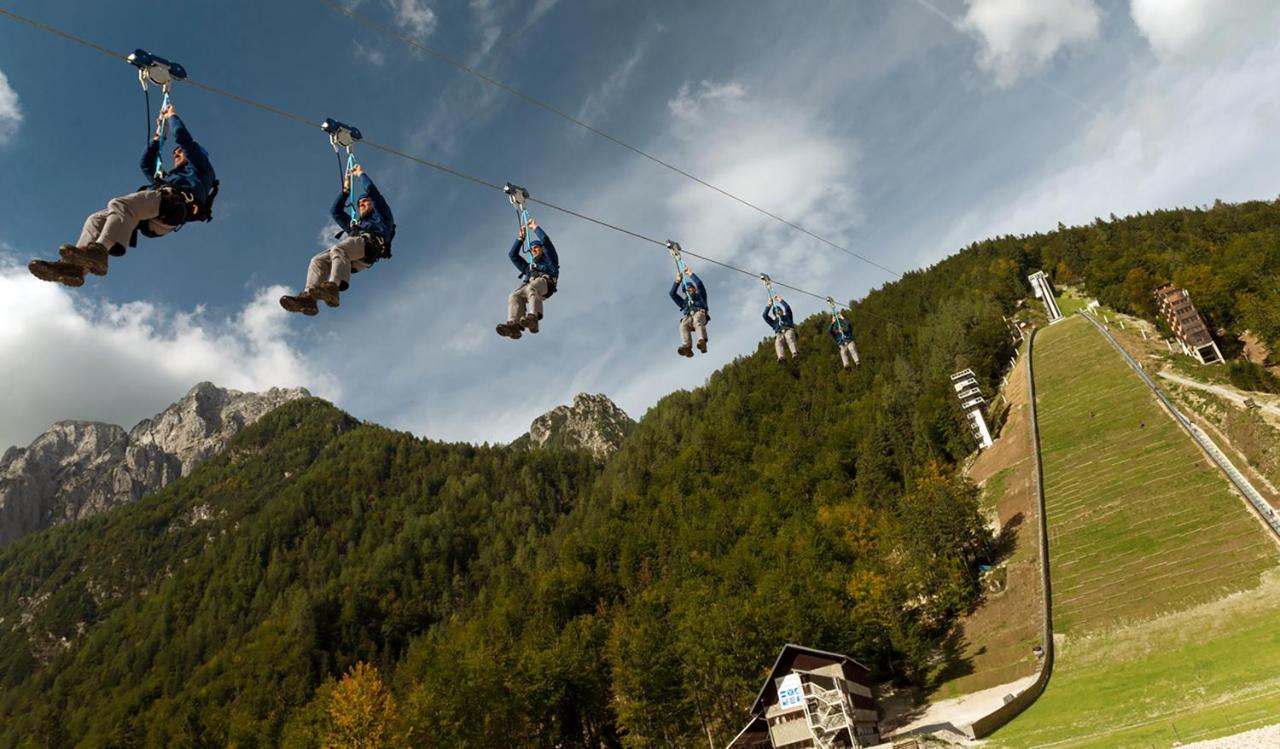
<point x="77" y="469"/>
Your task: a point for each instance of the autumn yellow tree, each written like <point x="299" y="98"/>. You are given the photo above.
<point x="361" y="709"/>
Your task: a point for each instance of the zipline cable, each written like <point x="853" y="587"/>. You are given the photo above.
<point x="394" y="152"/>
<point x="533" y="101"/>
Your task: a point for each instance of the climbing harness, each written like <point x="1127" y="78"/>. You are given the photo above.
<point x="162" y="72"/>
<point x="517" y="195"/>
<point x="344" y="136"/>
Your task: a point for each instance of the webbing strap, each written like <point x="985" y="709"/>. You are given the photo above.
<point x="351" y="188"/>
<point x="528" y="242"/>
<point x="162" y="130"/>
<point x="835" y="312"/>
<point x="685" y="277"/>
<point x="773" y="297"/>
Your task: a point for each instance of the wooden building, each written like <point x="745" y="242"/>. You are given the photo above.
<point x="1186" y="323"/>
<point x="812" y="698"/>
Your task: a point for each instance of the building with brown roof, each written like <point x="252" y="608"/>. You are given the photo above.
<point x="1186" y="323"/>
<point x="812" y="698"/>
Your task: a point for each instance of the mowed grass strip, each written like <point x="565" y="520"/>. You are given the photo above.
<point x="1166" y="590"/>
<point x="1140" y="524"/>
<point x="1208" y="672"/>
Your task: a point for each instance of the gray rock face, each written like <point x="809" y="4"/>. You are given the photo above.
<point x="593" y="423"/>
<point x="78" y="468"/>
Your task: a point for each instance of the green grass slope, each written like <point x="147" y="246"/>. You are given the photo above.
<point x="1165" y="587"/>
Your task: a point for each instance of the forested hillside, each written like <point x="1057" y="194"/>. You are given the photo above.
<point x="512" y="598"/>
<point x="1227" y="256"/>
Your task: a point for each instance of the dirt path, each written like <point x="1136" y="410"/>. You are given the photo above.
<point x="1225" y="392"/>
<point x="1258" y="738"/>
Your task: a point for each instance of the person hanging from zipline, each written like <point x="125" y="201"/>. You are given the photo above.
<point x="778" y="315"/>
<point x="842" y="334"/>
<point x="538" y="272"/>
<point x="692" y="303"/>
<point x="170" y="200"/>
<point x="696" y="315"/>
<point x="367" y="223"/>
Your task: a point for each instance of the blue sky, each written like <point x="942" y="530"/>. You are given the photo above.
<point x="904" y="129"/>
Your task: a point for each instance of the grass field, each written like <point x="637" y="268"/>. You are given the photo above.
<point x="1139" y="523"/>
<point x="1165" y="588"/>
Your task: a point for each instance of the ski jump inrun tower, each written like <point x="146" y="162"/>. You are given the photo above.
<point x="1044" y="291"/>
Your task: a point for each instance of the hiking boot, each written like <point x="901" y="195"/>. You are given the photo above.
<point x="685" y="351"/>
<point x="509" y="329"/>
<point x="325" y="291"/>
<point x="301" y="303"/>
<point x="92" y="257"/>
<point x="702" y="346"/>
<point x="116" y="250"/>
<point x="530" y="322"/>
<point x="67" y="274"/>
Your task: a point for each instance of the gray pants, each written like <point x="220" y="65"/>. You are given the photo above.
<point x="335" y="263"/>
<point x="689" y="323"/>
<point x="789" y="335"/>
<point x="530" y="293"/>
<point x="848" y="351"/>
<point x="114" y="224"/>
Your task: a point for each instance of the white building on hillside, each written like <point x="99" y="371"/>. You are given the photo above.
<point x="971" y="400"/>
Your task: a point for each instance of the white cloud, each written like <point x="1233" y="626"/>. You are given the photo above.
<point x="10" y="110"/>
<point x="1019" y="37"/>
<point x="489" y="27"/>
<point x="1180" y="137"/>
<point x="325" y="235"/>
<point x="64" y="355"/>
<point x="689" y="102"/>
<point x="1181" y="29"/>
<point x="372" y="55"/>
<point x="415" y="16"/>
<point x="540" y="9"/>
<point x="781" y="158"/>
<point x="597" y="103"/>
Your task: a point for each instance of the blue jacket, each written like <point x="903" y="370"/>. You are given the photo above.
<point x="547" y="265"/>
<point x="840" y="331"/>
<point x="781" y="322"/>
<point x="689" y="305"/>
<point x="379" y="222"/>
<point x="196" y="176"/>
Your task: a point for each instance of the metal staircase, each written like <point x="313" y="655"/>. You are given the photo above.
<point x="828" y="714"/>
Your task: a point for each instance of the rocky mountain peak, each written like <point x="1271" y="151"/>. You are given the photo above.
<point x="80" y="468"/>
<point x="199" y="425"/>
<point x="592" y="422"/>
